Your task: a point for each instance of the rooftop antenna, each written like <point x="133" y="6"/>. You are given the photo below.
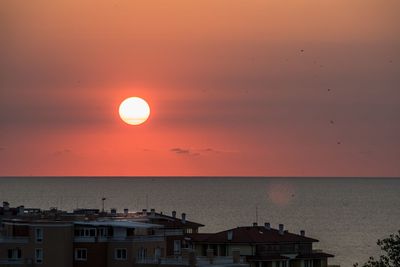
<point x="256" y="213"/>
<point x="102" y="202"/>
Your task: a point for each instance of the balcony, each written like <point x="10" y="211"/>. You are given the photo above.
<point x="7" y="262"/>
<point x="14" y="239"/>
<point x="133" y="239"/>
<point x="169" y="261"/>
<point x="200" y="261"/>
<point x="169" y="232"/>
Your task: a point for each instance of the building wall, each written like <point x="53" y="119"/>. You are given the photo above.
<point x="132" y="252"/>
<point x="170" y="244"/>
<point x="96" y="254"/>
<point x="57" y="245"/>
<point x="245" y="250"/>
<point x="4" y="247"/>
<point x="295" y="263"/>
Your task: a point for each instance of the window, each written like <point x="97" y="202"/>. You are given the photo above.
<point x="102" y="232"/>
<point x="80" y="254"/>
<point x="14" y="254"/>
<point x="85" y="232"/>
<point x="157" y="252"/>
<point x="39" y="255"/>
<point x="120" y="254"/>
<point x="177" y="247"/>
<point x="39" y="235"/>
<point x="308" y="263"/>
<point x="92" y="232"/>
<point x="142" y="253"/>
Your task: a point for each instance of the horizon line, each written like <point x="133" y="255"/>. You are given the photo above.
<point x="196" y="176"/>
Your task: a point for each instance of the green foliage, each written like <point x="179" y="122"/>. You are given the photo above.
<point x="391" y="257"/>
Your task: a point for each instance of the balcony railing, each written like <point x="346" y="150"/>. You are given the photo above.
<point x="171" y="261"/>
<point x="200" y="261"/>
<point x="169" y="232"/>
<point x="14" y="239"/>
<point x="138" y="238"/>
<point x="11" y="262"/>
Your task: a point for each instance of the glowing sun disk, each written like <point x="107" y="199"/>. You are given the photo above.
<point x="134" y="110"/>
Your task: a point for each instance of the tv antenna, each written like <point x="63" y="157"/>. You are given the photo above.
<point x="102" y="202"/>
<point x="257" y="214"/>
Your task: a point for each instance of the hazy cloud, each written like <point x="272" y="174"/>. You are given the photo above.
<point x="62" y="152"/>
<point x="197" y="152"/>
<point x="183" y="151"/>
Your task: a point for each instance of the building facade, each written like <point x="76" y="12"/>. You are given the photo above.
<point x="261" y="246"/>
<point x="88" y="237"/>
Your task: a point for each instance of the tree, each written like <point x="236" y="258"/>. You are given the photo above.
<point x="391" y="257"/>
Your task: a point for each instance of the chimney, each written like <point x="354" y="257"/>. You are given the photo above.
<point x="267" y="226"/>
<point x="230" y="235"/>
<point x="113" y="211"/>
<point x="281" y="227"/>
<point x="183" y="217"/>
<point x="254" y="224"/>
<point x="174" y="214"/>
<point x="126" y="211"/>
<point x="153" y="212"/>
<point x="6" y="205"/>
<point x="21" y="210"/>
<point x="302" y="233"/>
<point x="144" y="211"/>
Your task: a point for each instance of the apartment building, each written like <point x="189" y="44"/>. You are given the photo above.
<point x="174" y="229"/>
<point x="36" y="243"/>
<point x="88" y="237"/>
<point x="262" y="246"/>
<point x="78" y="243"/>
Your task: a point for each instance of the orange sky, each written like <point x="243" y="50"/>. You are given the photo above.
<point x="231" y="91"/>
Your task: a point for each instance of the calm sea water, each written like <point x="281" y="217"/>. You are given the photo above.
<point x="347" y="215"/>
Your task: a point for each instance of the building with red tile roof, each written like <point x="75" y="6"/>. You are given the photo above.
<point x="262" y="246"/>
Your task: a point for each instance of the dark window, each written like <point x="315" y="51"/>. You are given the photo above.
<point x="39" y="255"/>
<point x="120" y="254"/>
<point x="14" y="254"/>
<point x="81" y="254"/>
<point x="130" y="231"/>
<point x="39" y="235"/>
<point x="142" y="253"/>
<point x="92" y="232"/>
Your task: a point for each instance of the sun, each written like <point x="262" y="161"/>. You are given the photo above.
<point x="134" y="110"/>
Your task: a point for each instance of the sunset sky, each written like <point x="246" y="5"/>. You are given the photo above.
<point x="258" y="88"/>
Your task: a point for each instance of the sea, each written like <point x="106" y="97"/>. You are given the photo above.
<point x="346" y="215"/>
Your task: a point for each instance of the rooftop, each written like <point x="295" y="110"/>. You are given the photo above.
<point x="252" y="234"/>
<point x="124" y="223"/>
